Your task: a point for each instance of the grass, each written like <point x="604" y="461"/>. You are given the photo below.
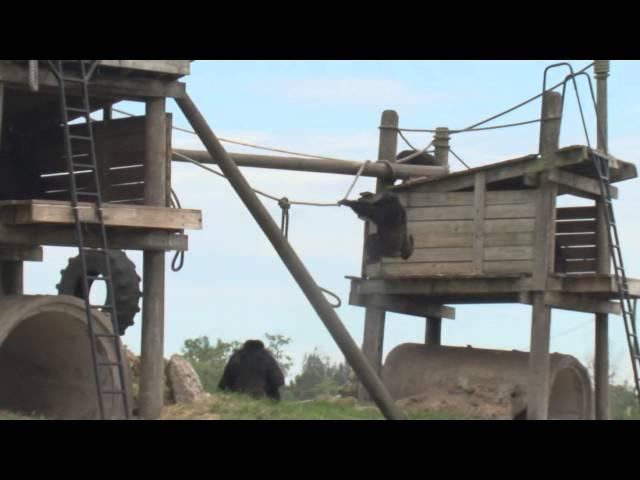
<point x="230" y="406"/>
<point x="6" y="415"/>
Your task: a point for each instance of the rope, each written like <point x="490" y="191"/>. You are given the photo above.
<point x="415" y="154"/>
<point x="251" y="145"/>
<point x="178" y="259"/>
<point x="405" y="140"/>
<point x="336" y="305"/>
<point x="498" y="115"/>
<point x="459" y="159"/>
<point x="34" y="78"/>
<point x="284" y="222"/>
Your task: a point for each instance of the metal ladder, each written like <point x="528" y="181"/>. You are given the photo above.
<point x="82" y="140"/>
<point x="627" y="305"/>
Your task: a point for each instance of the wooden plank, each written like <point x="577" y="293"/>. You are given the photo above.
<point x="580" y="303"/>
<point x="508" y="239"/>
<point x="442" y="240"/>
<point x="576" y="213"/>
<point x="577" y="239"/>
<point x="586" y="266"/>
<point x="516" y="266"/>
<point x="439" y="227"/>
<point x="511" y="197"/>
<point x="479" y="210"/>
<point x="103" y="85"/>
<point x="52" y="212"/>
<point x="427" y="255"/>
<point x="509" y="226"/>
<point x="508" y="253"/>
<point x="583" y="226"/>
<point x="21" y="254"/>
<point x="403" y="304"/>
<point x="538" y="382"/>
<point x="446" y="286"/>
<point x="467" y="212"/>
<point x="117" y="176"/>
<point x="176" y="67"/>
<point x="431" y="199"/>
<point x="577" y="253"/>
<point x="65" y="236"/>
<point x="418" y="269"/>
<point x="578" y="183"/>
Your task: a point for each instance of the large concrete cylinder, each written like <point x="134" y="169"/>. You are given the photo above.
<point x="418" y="370"/>
<point x="45" y="359"/>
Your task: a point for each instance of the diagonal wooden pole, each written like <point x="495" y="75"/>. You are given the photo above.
<point x="352" y="353"/>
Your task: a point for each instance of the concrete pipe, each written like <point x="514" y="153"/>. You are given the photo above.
<point x="488" y="382"/>
<point x="45" y="359"/>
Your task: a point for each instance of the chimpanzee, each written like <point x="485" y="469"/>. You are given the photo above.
<point x="385" y="210"/>
<point x="423" y="159"/>
<point x="252" y="370"/>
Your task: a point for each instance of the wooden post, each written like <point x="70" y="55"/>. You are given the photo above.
<point x="152" y="348"/>
<point x="374" y="318"/>
<point x="11" y="273"/>
<point x="538" y="388"/>
<point x="433" y="331"/>
<point x="601" y="358"/>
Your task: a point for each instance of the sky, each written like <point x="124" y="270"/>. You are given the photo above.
<point x="233" y="285"/>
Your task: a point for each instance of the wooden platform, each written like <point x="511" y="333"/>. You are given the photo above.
<point x="29" y="212"/>
<point x="427" y="295"/>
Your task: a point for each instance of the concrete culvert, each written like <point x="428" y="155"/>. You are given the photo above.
<point x="45" y="359"/>
<point x="490" y="383"/>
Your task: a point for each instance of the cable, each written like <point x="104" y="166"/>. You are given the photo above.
<point x="251" y="145"/>
<point x="459" y="159"/>
<point x="178" y="259"/>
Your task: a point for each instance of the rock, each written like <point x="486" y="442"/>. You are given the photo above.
<point x="183" y="381"/>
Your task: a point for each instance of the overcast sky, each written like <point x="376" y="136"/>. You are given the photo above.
<point x="234" y="286"/>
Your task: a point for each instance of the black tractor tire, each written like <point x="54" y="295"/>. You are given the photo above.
<point x="126" y="282"/>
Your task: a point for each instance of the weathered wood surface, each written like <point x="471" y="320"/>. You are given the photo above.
<point x="25" y="212"/>
<point x="20" y="254"/>
<point x="403" y="304"/>
<point x="175" y="67"/>
<point x="568" y="158"/>
<point x="578" y="185"/>
<point x="65" y="236"/>
<point x="107" y="86"/>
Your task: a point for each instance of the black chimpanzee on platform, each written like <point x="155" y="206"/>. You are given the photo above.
<point x="254" y="371"/>
<point x="385" y="210"/>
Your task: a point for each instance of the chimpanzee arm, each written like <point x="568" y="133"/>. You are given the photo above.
<point x="275" y="378"/>
<point x="229" y="374"/>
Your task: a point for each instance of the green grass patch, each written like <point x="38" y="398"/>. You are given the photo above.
<point x="231" y="406"/>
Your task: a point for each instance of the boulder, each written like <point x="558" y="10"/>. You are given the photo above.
<point x="183" y="381"/>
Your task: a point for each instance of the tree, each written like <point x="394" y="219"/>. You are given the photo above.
<point x="276" y="344"/>
<point x="320" y="377"/>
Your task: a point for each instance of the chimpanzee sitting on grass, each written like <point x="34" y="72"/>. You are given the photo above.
<point x="254" y="371"/>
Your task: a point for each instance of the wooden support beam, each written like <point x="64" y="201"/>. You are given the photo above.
<point x="103" y="85"/>
<point x="538" y="390"/>
<point x="479" y="200"/>
<point x="579" y="185"/>
<point x="64" y="236"/>
<point x="601" y="347"/>
<point x="374" y="318"/>
<point x="580" y="303"/>
<point x="403" y="304"/>
<point x="302" y="164"/>
<point x="433" y="331"/>
<point x="11" y="278"/>
<point x="152" y="348"/>
<point x="26" y="212"/>
<point x="20" y="254"/>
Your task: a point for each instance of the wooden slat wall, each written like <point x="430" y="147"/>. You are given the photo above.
<point x="576" y="240"/>
<point x="119" y="147"/>
<point x="443" y="227"/>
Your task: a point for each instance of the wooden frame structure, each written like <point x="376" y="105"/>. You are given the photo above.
<point x="134" y="162"/>
<point x="495" y="234"/>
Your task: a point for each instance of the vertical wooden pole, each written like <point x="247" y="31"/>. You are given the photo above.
<point x="601" y="360"/>
<point x="11" y="273"/>
<point x="538" y="385"/>
<point x="152" y="353"/>
<point x="433" y="331"/>
<point x="374" y="318"/>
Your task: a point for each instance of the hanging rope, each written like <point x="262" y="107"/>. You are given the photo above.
<point x="284" y="222"/>
<point x="178" y="259"/>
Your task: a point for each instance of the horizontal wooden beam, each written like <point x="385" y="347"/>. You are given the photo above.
<point x="580" y="303"/>
<point x="402" y="304"/>
<point x="65" y="236"/>
<point x="302" y="164"/>
<point x="579" y="185"/>
<point x="102" y="85"/>
<point x="23" y="212"/>
<point x="174" y="67"/>
<point x="21" y="254"/>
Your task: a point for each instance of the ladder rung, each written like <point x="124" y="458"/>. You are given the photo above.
<point x="106" y="335"/>
<point x="80" y="137"/>
<point x="74" y="79"/>
<point x="93" y="277"/>
<point x="104" y="307"/>
<point x="79" y="110"/>
<point x="114" y="392"/>
<point x="109" y="364"/>
<point x="88" y="166"/>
